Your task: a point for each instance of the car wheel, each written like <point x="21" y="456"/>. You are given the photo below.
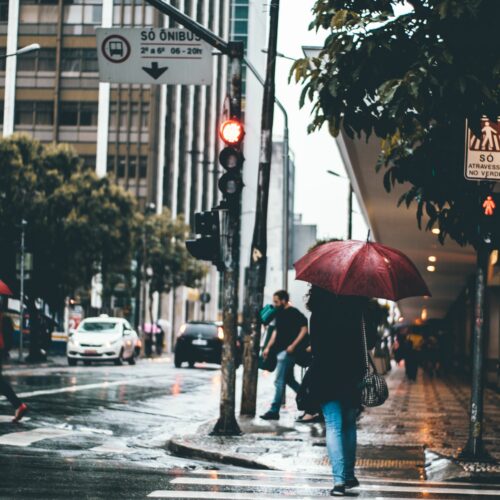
<point x="86" y="362"/>
<point x="72" y="362"/>
<point x="119" y="360"/>
<point x="177" y="361"/>
<point x="191" y="364"/>
<point x="131" y="360"/>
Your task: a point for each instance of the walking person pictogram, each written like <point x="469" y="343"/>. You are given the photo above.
<point x="489" y="206"/>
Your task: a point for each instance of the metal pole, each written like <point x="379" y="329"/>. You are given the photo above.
<point x="21" y="294"/>
<point x="474" y="449"/>
<point x="226" y="424"/>
<point x="256" y="277"/>
<point x="349" y="215"/>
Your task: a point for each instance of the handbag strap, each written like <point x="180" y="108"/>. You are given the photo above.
<point x="368" y="358"/>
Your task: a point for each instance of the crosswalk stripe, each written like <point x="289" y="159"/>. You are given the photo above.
<point x="190" y="481"/>
<point x="218" y="495"/>
<point x="83" y="387"/>
<point x="271" y="474"/>
<point x="26" y="438"/>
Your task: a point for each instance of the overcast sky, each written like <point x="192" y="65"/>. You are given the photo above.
<point x="319" y="196"/>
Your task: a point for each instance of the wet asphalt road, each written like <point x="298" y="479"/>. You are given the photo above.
<point x="99" y="432"/>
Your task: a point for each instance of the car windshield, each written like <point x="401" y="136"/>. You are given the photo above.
<point x="98" y="326"/>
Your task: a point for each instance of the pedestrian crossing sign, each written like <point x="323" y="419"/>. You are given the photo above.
<point x="482" y="154"/>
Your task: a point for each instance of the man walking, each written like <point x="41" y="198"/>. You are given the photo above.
<point x="291" y="329"/>
<point x="5" y="388"/>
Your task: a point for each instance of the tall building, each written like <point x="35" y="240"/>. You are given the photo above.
<point x="158" y="141"/>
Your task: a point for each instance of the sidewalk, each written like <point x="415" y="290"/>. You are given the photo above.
<point x="415" y="435"/>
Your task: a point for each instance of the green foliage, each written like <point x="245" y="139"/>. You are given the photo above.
<point x="78" y="223"/>
<point x="412" y="80"/>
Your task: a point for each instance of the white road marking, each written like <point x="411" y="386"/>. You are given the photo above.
<point x="78" y="388"/>
<point x="8" y="419"/>
<point x="218" y="495"/>
<point x="263" y="474"/>
<point x="26" y="438"/>
<point x="363" y="487"/>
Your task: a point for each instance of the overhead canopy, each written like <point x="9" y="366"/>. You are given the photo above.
<point x="397" y="227"/>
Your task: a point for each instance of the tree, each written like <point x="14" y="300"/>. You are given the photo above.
<point x="78" y="224"/>
<point x="166" y="256"/>
<point x="411" y="79"/>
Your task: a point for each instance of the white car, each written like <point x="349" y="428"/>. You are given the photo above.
<point x="102" y="339"/>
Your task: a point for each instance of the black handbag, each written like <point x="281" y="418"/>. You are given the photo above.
<point x="269" y="363"/>
<point x="306" y="398"/>
<point x="374" y="390"/>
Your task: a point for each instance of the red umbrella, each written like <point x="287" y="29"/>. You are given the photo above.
<point x="4" y="289"/>
<point x="363" y="269"/>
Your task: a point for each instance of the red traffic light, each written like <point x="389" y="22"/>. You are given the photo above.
<point x="489" y="205"/>
<point x="231" y="132"/>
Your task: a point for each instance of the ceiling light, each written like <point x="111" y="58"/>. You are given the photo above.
<point x="431" y="269"/>
<point x="436" y="230"/>
<point x="432" y="258"/>
<point x="401" y="319"/>
<point x="423" y="315"/>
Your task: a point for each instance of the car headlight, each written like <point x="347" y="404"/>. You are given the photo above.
<point x="112" y="343"/>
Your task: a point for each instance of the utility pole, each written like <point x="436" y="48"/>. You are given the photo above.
<point x="256" y="277"/>
<point x="474" y="449"/>
<point x="231" y="222"/>
<point x="24" y="223"/>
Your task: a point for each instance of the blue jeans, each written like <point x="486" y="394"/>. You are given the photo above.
<point x="284" y="377"/>
<point x="340" y="422"/>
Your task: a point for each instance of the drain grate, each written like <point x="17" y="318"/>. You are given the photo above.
<point x="368" y="463"/>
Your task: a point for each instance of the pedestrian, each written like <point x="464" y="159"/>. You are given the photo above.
<point x="338" y="367"/>
<point x="5" y="388"/>
<point x="287" y="337"/>
<point x="411" y="360"/>
<point x="159" y="338"/>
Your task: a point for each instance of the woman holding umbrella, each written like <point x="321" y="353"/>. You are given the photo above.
<point x="344" y="275"/>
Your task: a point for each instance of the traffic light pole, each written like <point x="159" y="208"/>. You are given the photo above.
<point x="226" y="424"/>
<point x="256" y="274"/>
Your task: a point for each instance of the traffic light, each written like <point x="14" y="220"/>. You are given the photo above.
<point x="206" y="245"/>
<point x="490" y="218"/>
<point x="231" y="159"/>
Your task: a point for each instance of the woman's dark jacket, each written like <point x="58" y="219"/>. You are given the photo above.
<point x="338" y="360"/>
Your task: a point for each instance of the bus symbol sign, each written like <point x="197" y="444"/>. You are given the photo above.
<point x="115" y="48"/>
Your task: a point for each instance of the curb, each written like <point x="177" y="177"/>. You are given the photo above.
<point x="182" y="449"/>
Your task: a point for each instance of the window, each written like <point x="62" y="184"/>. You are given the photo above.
<point x="138" y="115"/>
<point x="2" y="59"/>
<point x="40" y="60"/>
<point x="132" y="166"/>
<point x="1" y="113"/>
<point x="83" y="114"/>
<point x="4" y="11"/>
<point x="34" y="113"/>
<point x="82" y="12"/>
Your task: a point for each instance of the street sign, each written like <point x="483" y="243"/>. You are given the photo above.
<point x="153" y="55"/>
<point x="205" y="298"/>
<point x="482" y="154"/>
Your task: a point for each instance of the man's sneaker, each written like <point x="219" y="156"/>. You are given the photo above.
<point x="338" y="491"/>
<point x="21" y="410"/>
<point x="351" y="483"/>
<point x="270" y="415"/>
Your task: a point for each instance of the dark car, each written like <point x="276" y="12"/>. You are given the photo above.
<point x="202" y="341"/>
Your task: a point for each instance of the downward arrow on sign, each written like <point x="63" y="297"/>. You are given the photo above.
<point x="155" y="72"/>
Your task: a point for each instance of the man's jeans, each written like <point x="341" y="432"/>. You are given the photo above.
<point x="284" y="376"/>
<point x="340" y="424"/>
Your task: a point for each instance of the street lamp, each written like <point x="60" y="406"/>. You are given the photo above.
<point x="29" y="48"/>
<point x="349" y="203"/>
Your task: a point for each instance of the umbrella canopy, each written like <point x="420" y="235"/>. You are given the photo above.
<point x="4" y="289"/>
<point x="362" y="269"/>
